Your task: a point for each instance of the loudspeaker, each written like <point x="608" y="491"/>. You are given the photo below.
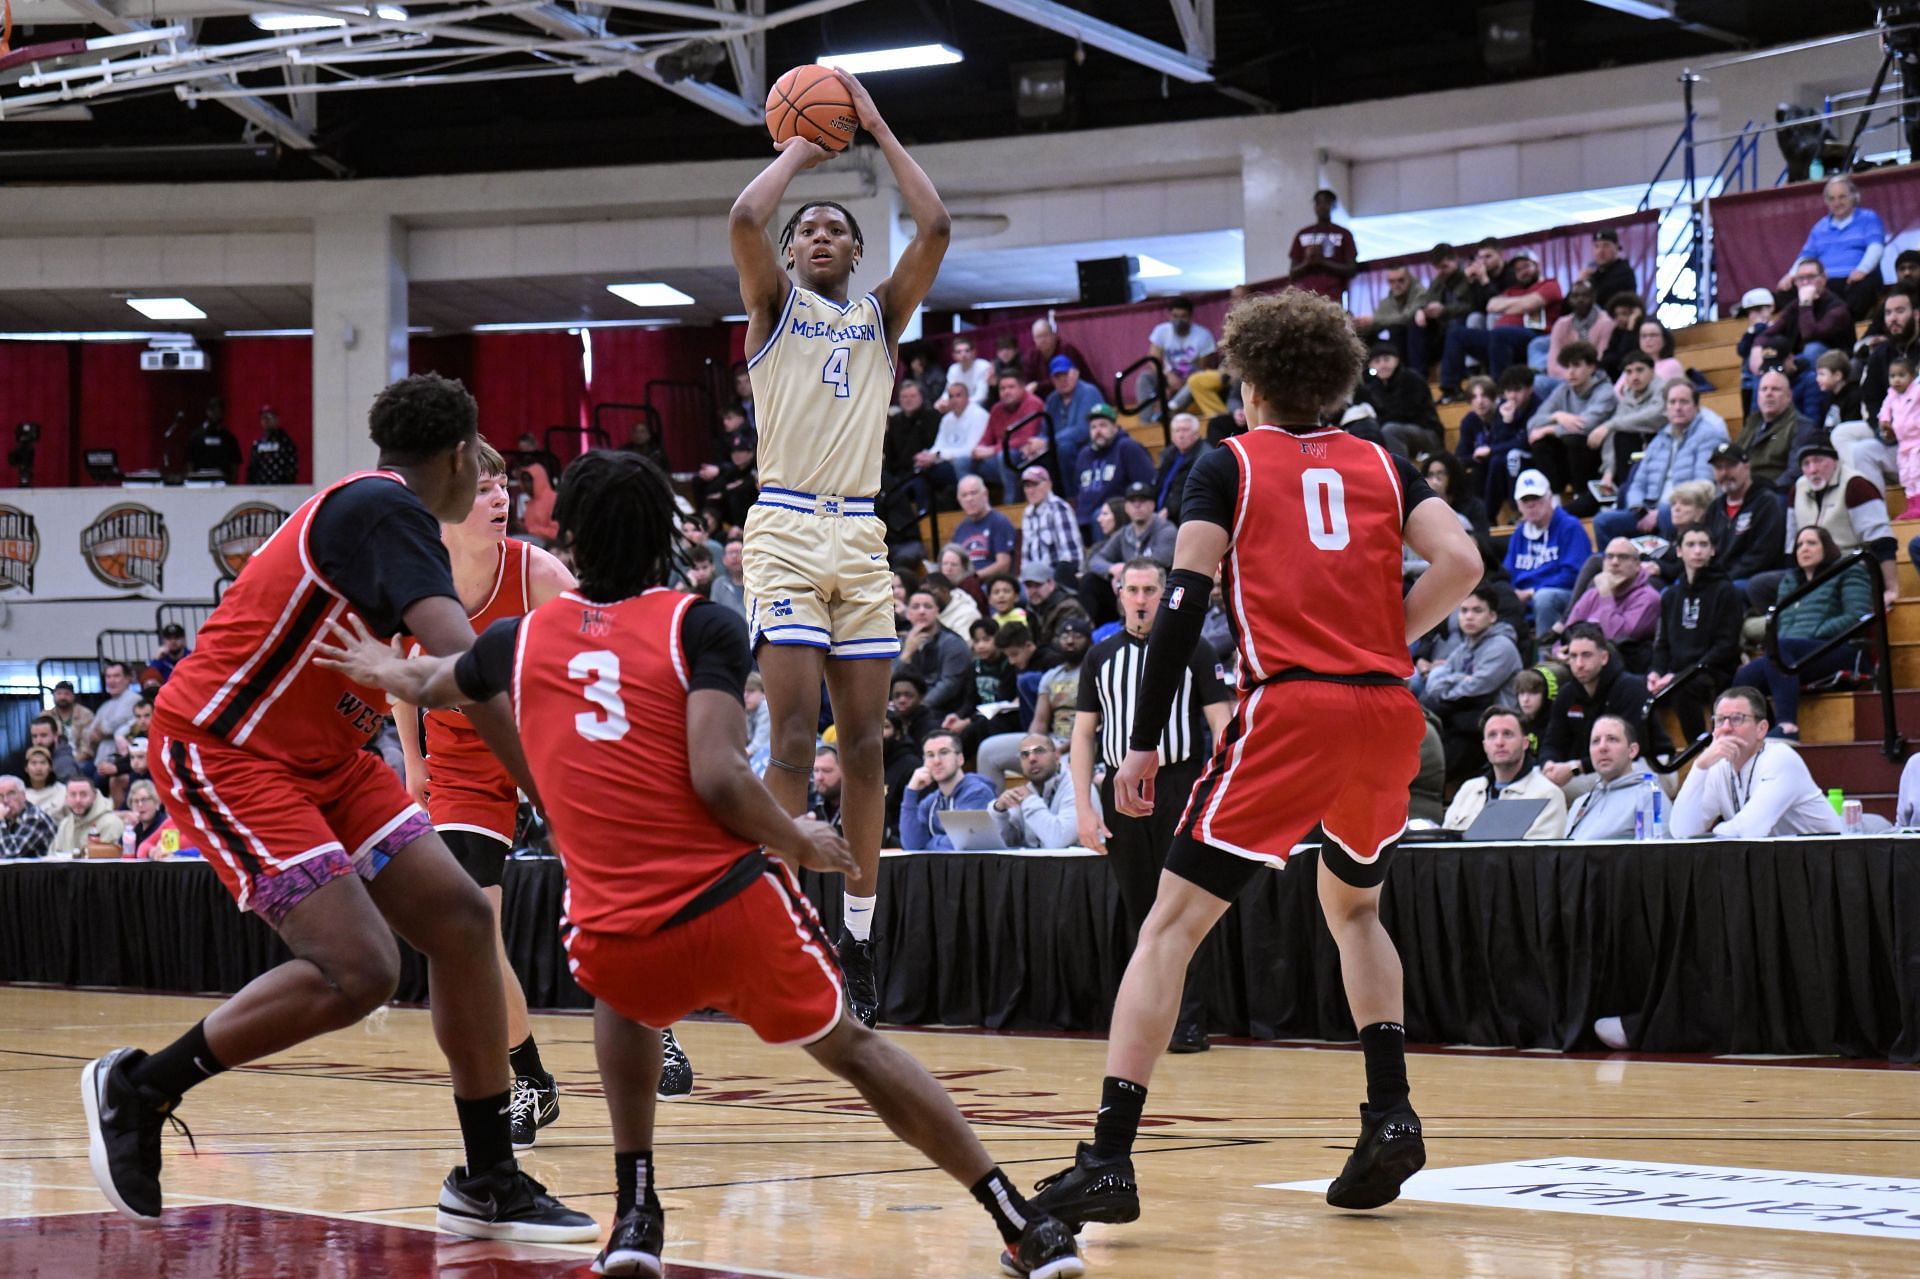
<point x="1110" y="281"/>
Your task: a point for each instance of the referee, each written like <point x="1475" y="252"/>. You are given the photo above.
<point x="1109" y="687"/>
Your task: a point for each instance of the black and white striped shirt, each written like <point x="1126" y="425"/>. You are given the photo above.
<point x="1110" y="685"/>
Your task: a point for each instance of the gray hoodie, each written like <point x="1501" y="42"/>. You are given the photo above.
<point x="1476" y="667"/>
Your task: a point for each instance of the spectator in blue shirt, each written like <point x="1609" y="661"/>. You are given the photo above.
<point x="1545" y="553"/>
<point x="1112" y="462"/>
<point x="1848" y="243"/>
<point x="173" y="647"/>
<point x="985" y="535"/>
<point x="940" y="785"/>
<point x="1069" y="407"/>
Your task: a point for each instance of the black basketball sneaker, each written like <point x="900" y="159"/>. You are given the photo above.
<point x="676" y="1071"/>
<point x="533" y="1105"/>
<point x="1094" y="1189"/>
<point x="856" y="964"/>
<point x="505" y="1203"/>
<point x="635" y="1245"/>
<point x="1046" y="1251"/>
<point x="123" y="1132"/>
<point x="1389" y="1151"/>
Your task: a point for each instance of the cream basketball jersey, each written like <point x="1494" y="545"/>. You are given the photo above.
<point x="821" y="386"/>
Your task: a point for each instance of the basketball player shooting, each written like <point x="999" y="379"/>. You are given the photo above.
<point x="1307" y="524"/>
<point x="817" y="581"/>
<point x="687" y="901"/>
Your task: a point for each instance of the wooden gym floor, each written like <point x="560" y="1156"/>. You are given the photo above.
<point x="326" y="1160"/>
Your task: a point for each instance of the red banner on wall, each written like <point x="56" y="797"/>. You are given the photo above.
<point x="1757" y="235"/>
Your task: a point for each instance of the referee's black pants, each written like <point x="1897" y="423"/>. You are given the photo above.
<point x="1137" y="852"/>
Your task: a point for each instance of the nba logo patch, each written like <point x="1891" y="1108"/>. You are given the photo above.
<point x="1173" y="600"/>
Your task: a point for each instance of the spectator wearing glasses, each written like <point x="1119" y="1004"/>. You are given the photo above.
<point x="1746" y="784"/>
<point x="940" y="785"/>
<point x="1039" y="812"/>
<point x="25" y="830"/>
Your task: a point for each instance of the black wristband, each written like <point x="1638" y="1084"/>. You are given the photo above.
<point x="1175" y="632"/>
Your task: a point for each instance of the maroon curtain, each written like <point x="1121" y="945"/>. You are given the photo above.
<point x="527" y="382"/>
<point x="1561" y="252"/>
<point x="128" y="410"/>
<point x="1757" y="234"/>
<point x="261" y="373"/>
<point x="34" y="382"/>
<point x="681" y="372"/>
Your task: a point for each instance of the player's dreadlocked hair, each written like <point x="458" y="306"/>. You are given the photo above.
<point x="420" y="417"/>
<point x="853" y="224"/>
<point x="616" y="516"/>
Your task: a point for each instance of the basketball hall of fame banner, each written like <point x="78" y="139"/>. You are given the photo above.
<point x="113" y="543"/>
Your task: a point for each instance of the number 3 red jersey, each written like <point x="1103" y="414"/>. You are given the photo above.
<point x="600" y="696"/>
<point x="1312" y="580"/>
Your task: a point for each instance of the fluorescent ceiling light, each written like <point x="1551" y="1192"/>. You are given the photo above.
<point x="167" y="308"/>
<point x="1652" y="9"/>
<point x="650" y="294"/>
<point x="268" y="333"/>
<point x="995" y="306"/>
<point x="319" y="21"/>
<point x="742" y="318"/>
<point x="1152" y="268"/>
<point x="537" y="326"/>
<point x="872" y="60"/>
<point x="88" y="335"/>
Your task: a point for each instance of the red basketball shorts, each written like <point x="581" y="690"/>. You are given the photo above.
<point x="761" y="957"/>
<point x="459" y="803"/>
<point x="1306" y="753"/>
<point x="275" y="835"/>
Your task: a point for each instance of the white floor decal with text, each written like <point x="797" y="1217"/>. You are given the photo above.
<point x="1760" y="1198"/>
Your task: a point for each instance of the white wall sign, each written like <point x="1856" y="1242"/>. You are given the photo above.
<point x="1758" y="1198"/>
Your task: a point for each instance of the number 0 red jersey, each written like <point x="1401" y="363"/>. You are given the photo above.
<point x="600" y="696"/>
<point x="1312" y="580"/>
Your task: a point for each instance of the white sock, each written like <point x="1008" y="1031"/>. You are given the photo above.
<point x="859" y="916"/>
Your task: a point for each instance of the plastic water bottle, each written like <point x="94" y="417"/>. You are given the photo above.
<point x="1646" y="808"/>
<point x="127" y="843"/>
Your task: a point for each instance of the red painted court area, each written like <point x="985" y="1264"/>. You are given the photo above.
<point x="234" y="1242"/>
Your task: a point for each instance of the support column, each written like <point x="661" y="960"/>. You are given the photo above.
<point x="1277" y="182"/>
<point x="359" y="333"/>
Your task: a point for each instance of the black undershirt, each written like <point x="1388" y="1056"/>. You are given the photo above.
<point x="1213" y="488"/>
<point x="713" y="639"/>
<point x="379" y="546"/>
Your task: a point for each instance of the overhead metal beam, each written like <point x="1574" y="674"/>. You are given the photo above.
<point x="1196" y="27"/>
<point x="748" y="53"/>
<point x="1104" y="35"/>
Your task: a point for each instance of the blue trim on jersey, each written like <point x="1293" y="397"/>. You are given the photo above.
<point x="886" y="347"/>
<point x="779" y="326"/>
<point x="765" y="638"/>
<point x="795" y="626"/>
<point x="842" y="308"/>
<point x="848" y="506"/>
<point x="863" y="657"/>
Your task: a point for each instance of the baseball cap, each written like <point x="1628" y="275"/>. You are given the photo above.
<point x="1821" y="447"/>
<point x="1728" y="452"/>
<point x="173" y="630"/>
<point x="1532" y="484"/>
<point x="1059" y="364"/>
<point x="1074" y="623"/>
<point x="1755" y="297"/>
<point x="1104" y="410"/>
<point x="1139" y="488"/>
<point x="1608" y="234"/>
<point x="1036" y="572"/>
<point x="1036" y="472"/>
<point x="66" y="684"/>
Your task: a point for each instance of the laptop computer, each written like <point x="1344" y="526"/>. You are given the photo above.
<point x="1500" y="821"/>
<point x="973" y="830"/>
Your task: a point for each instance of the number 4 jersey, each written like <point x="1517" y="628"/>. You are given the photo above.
<point x="821" y="385"/>
<point x="599" y="693"/>
<point x="1312" y="581"/>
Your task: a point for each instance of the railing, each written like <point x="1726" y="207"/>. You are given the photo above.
<point x="1159" y="395"/>
<point x="673" y="402"/>
<point x="82" y="672"/>
<point x="135" y="648"/>
<point x="592" y="436"/>
<point x="1673" y="763"/>
<point x="647" y="411"/>
<point x="1010" y="466"/>
<point x="1683" y="235"/>
<point x="190" y="615"/>
<point x="1892" y="744"/>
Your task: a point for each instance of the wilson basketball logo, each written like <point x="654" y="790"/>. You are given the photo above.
<point x="19" y="549"/>
<point x="127" y="547"/>
<point x="241" y="532"/>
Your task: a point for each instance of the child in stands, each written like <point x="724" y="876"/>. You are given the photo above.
<point x="1900" y="423"/>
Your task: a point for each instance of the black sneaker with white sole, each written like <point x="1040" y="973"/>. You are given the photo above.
<point x="676" y="1070"/>
<point x="1046" y="1251"/>
<point x="505" y="1203"/>
<point x="856" y="965"/>
<point x="123" y="1132"/>
<point x="1389" y="1151"/>
<point x="1094" y="1189"/>
<point x="635" y="1245"/>
<point x="535" y="1103"/>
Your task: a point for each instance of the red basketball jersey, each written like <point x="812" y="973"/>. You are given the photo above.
<point x="453" y="744"/>
<point x="1312" y="580"/>
<point x="600" y="695"/>
<point x="250" y="680"/>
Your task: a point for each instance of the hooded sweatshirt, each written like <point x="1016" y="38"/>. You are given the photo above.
<point x="1542" y="558"/>
<point x="1629" y="614"/>
<point x="1700" y="621"/>
<point x="1476" y="667"/>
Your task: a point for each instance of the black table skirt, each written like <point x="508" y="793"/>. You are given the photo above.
<point x="1797" y="947"/>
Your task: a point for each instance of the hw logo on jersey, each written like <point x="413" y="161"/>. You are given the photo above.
<point x="1316" y="451"/>
<point x="594" y="623"/>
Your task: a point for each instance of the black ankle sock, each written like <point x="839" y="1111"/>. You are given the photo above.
<point x="180" y="1065"/>
<point x="1121" y="1101"/>
<point x="486" y="1131"/>
<point x="633" y="1173"/>
<point x="1385" y="1046"/>
<point x="1003" y="1203"/>
<point x="525" y="1059"/>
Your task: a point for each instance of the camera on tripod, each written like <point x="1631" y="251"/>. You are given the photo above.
<point x="26" y="442"/>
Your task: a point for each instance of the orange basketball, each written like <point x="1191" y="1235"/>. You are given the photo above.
<point x="810" y="102"/>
